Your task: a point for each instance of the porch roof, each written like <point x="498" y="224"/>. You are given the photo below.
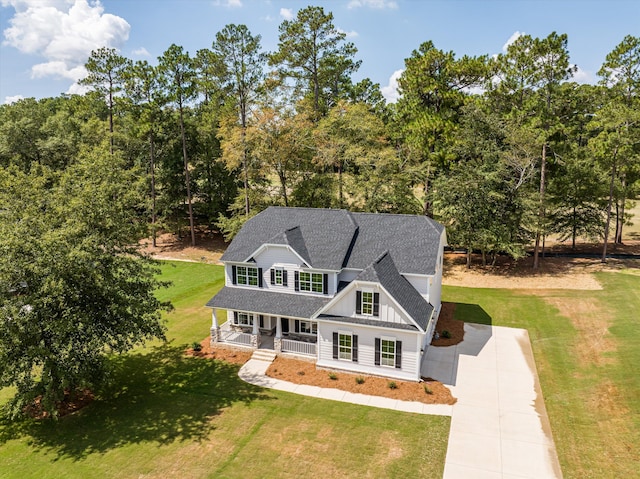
<point x="368" y="322"/>
<point x="268" y="302"/>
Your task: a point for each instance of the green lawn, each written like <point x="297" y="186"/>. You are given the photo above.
<point x="166" y="415"/>
<point x="587" y="350"/>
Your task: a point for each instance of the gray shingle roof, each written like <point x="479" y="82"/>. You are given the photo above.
<point x="268" y="302"/>
<point x="326" y="234"/>
<point x="384" y="271"/>
<point x="368" y="322"/>
<point x="334" y="239"/>
<point x="412" y="241"/>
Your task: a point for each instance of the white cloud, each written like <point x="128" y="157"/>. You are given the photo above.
<point x="377" y="4"/>
<point x="390" y="92"/>
<point x="286" y="13"/>
<point x="228" y="3"/>
<point x="12" y="99"/>
<point x="63" y="32"/>
<point x="583" y="76"/>
<point x="511" y="39"/>
<point x="141" y="52"/>
<point x="351" y="34"/>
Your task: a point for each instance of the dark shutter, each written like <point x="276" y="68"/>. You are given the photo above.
<point x="297" y="280"/>
<point x="234" y="275"/>
<point x="297" y="326"/>
<point x="398" y="354"/>
<point x="354" y="350"/>
<point x="262" y="320"/>
<point x="235" y="315"/>
<point x="260" y="277"/>
<point x="358" y="302"/>
<point x="325" y="283"/>
<point x="376" y="304"/>
<point x="335" y="345"/>
<point x="273" y="276"/>
<point x="284" y="277"/>
<point x="377" y="358"/>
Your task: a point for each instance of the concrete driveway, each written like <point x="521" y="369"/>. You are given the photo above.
<point x="499" y="426"/>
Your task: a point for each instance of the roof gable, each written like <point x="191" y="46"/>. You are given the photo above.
<point x="383" y="271"/>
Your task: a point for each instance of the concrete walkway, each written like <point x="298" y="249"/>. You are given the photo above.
<point x="499" y="426"/>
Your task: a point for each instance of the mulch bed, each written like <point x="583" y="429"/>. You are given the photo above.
<point x="305" y="372"/>
<point x="446" y="322"/>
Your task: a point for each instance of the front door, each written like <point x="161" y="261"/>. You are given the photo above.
<point x="285" y="325"/>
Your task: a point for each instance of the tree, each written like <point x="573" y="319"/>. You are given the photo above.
<point x="621" y="75"/>
<point x="433" y="89"/>
<point x="105" y="76"/>
<point x="238" y="53"/>
<point x="144" y="91"/>
<point x="73" y="286"/>
<point x="313" y="52"/>
<point x="530" y="74"/>
<point x="178" y="81"/>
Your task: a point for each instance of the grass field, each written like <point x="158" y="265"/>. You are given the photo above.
<point x="587" y="350"/>
<point x="167" y="415"/>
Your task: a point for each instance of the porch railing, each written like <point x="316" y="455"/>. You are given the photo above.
<point x="235" y="337"/>
<point x="298" y="347"/>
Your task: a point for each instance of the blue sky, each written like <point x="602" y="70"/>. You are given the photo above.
<point x="46" y="42"/>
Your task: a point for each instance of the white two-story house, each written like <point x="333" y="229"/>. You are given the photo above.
<point x="356" y="291"/>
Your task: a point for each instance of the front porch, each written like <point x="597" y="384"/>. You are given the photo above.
<point x="282" y="335"/>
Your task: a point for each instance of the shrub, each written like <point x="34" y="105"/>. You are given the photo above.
<point x="333" y="376"/>
<point x="427" y="389"/>
<point x="446" y="334"/>
<point x="359" y="380"/>
<point x="393" y="385"/>
<point x="196" y="346"/>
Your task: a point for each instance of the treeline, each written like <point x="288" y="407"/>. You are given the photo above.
<point x="504" y="150"/>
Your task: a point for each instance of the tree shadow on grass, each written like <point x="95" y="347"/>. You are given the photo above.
<point x="160" y="396"/>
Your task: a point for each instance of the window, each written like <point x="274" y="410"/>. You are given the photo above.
<point x="388" y="352"/>
<point x="277" y="276"/>
<point x="243" y="319"/>
<point x="367" y="303"/>
<point x="247" y="275"/>
<point x="308" y="327"/>
<point x="345" y="345"/>
<point x="313" y="282"/>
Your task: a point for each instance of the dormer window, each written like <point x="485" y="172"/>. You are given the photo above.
<point x="367" y="303"/>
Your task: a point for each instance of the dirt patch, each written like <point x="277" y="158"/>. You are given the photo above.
<point x="448" y="326"/>
<point x="208" y="249"/>
<point x="221" y="352"/>
<point x="72" y="402"/>
<point x="305" y="372"/>
<point x="592" y="322"/>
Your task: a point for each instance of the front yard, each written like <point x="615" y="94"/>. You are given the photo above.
<point x="167" y="415"/>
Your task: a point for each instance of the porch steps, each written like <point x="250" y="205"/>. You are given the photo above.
<point x="264" y="355"/>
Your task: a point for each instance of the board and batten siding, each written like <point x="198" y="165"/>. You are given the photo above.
<point x="411" y="355"/>
<point x="346" y="305"/>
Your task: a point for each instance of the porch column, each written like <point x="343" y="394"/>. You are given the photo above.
<point x="255" y="333"/>
<point x="277" y="341"/>
<point x="215" y="330"/>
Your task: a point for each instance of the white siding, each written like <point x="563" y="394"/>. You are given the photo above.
<point x="411" y="355"/>
<point x="420" y="283"/>
<point x="346" y="305"/>
<point x="348" y="275"/>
